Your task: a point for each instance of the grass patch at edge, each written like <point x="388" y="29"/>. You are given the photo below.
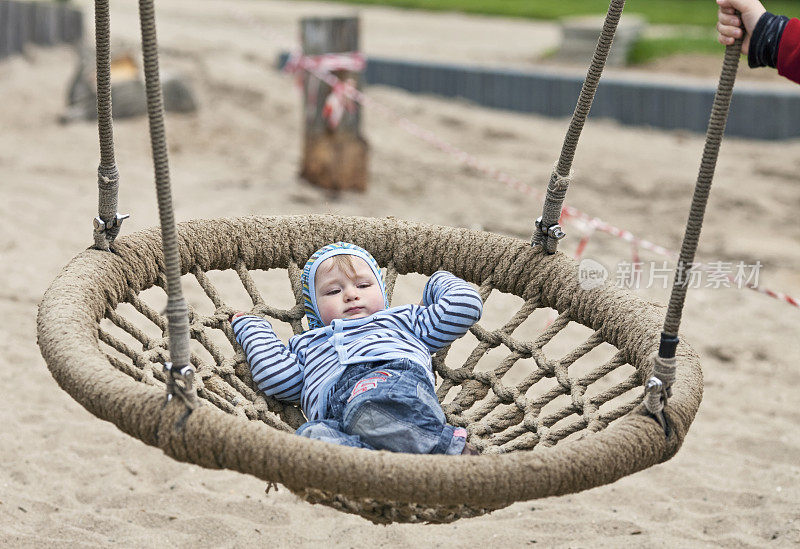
<point x="648" y="49"/>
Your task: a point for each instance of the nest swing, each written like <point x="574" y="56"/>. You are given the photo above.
<point x="568" y="438"/>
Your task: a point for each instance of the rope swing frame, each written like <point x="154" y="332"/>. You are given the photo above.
<point x="95" y="282"/>
<point x="221" y="421"/>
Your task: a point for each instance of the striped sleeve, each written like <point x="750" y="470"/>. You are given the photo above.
<point x="275" y="369"/>
<point x="450" y="308"/>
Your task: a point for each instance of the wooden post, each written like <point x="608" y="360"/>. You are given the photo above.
<point x="333" y="157"/>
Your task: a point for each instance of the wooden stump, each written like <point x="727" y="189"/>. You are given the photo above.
<point x="336" y="161"/>
<point x="333" y="157"/>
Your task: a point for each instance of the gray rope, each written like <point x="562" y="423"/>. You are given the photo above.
<point x="180" y="371"/>
<point x="548" y="232"/>
<point x="105" y="128"/>
<point x="716" y="128"/>
<point x="659" y="386"/>
<point x="107" y="223"/>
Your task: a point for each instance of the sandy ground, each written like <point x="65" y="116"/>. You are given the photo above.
<point x="69" y="479"/>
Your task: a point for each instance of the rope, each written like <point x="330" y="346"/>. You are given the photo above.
<point x="107" y="223"/>
<point x="548" y="232"/>
<point x="180" y="370"/>
<point x="714" y="133"/>
<point x="659" y="386"/>
<point x="496" y="432"/>
<point x="578" y="413"/>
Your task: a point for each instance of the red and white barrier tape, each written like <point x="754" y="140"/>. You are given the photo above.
<point x="777" y="295"/>
<point x="592" y="223"/>
<point x="329" y="62"/>
<point x="338" y="102"/>
<point x="339" y="98"/>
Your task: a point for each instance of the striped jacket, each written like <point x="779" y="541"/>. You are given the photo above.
<point x="307" y="369"/>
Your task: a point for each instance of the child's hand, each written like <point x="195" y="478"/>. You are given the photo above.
<point x="729" y="23"/>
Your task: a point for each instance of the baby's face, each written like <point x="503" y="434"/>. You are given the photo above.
<point x="346" y="293"/>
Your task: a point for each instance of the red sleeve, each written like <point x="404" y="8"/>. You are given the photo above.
<point x="789" y="51"/>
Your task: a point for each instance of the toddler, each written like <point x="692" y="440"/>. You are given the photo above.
<point x="362" y="372"/>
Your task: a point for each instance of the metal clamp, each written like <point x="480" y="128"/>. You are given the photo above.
<point x="656" y="395"/>
<point x="553" y="231"/>
<point x="101" y="226"/>
<point x="548" y="235"/>
<point x="180" y="383"/>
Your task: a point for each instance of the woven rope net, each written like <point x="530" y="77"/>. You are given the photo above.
<point x="552" y="402"/>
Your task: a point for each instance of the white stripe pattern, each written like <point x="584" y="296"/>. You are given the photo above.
<point x="307" y="369"/>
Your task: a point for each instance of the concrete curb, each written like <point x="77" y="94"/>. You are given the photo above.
<point x="756" y="112"/>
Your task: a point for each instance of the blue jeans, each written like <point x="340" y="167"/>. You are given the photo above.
<point x="386" y="406"/>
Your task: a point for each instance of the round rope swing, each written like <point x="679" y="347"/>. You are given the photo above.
<point x="106" y="344"/>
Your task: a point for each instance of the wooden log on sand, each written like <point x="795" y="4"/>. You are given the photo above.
<point x="334" y="154"/>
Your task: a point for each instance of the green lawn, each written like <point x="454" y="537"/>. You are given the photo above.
<point x="668" y="12"/>
<point x="647" y="49"/>
<point x="694" y="19"/>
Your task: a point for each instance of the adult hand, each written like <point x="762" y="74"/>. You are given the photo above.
<point x="729" y="23"/>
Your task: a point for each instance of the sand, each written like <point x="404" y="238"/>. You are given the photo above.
<point x="70" y="479"/>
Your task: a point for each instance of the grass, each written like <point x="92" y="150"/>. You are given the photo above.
<point x="657" y="12"/>
<point x="690" y="16"/>
<point x="648" y="49"/>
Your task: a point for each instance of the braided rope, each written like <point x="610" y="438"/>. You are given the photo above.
<point x="691" y="236"/>
<point x="492" y="431"/>
<point x="177" y="316"/>
<point x="562" y="173"/>
<point x="107" y="174"/>
<point x="664" y="361"/>
<point x="577" y="410"/>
